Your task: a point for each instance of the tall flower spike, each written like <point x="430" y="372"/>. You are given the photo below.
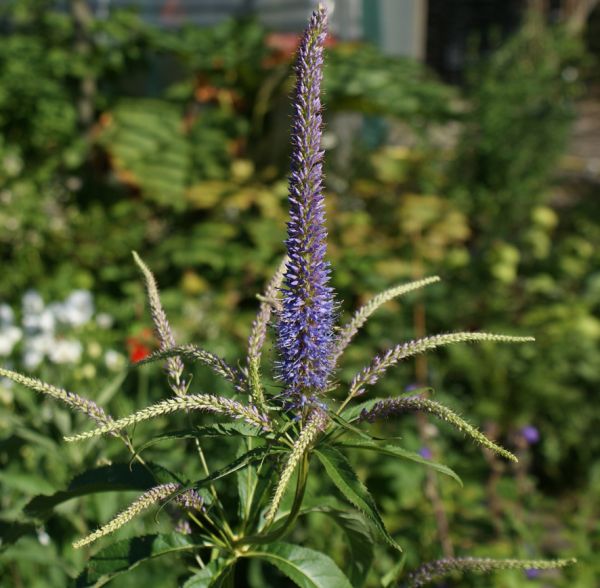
<point x="436" y="570"/>
<point x="395" y="406"/>
<point x="202" y="402"/>
<point x="84" y="405"/>
<point x="163" y="329"/>
<point x="145" y="501"/>
<point x="305" y="327"/>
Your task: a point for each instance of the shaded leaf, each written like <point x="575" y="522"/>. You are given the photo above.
<point x="111" y="478"/>
<point x="211" y="576"/>
<point x="123" y="556"/>
<point x="360" y="544"/>
<point x="305" y="567"/>
<point x="11" y="532"/>
<point x="342" y="474"/>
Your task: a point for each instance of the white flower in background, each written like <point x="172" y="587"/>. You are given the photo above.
<point x="7" y="316"/>
<point x="114" y="360"/>
<point x="32" y="359"/>
<point x="43" y="322"/>
<point x="43" y="537"/>
<point x="9" y="337"/>
<point x="36" y="347"/>
<point x="65" y="351"/>
<point x="78" y="308"/>
<point x="32" y="302"/>
<point x="104" y="320"/>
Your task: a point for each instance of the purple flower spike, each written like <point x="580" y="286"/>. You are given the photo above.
<point x="305" y="327"/>
<point x="530" y="434"/>
<point x="532" y="574"/>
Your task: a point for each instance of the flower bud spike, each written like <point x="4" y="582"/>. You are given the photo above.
<point x="162" y="327"/>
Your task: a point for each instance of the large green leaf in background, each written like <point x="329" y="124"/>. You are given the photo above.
<point x="306" y="567"/>
<point x="123" y="556"/>
<point x="111" y="478"/>
<point x="148" y="149"/>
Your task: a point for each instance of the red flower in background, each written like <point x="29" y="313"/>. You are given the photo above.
<point x="140" y="346"/>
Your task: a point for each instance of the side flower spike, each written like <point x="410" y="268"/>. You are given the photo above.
<point x="305" y="326"/>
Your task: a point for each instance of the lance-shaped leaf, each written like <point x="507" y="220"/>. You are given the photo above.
<point x="360" y="544"/>
<point x="436" y="570"/>
<point x="84" y="405"/>
<point x="395" y="451"/>
<point x="111" y="478"/>
<point x="194" y="353"/>
<point x="364" y="312"/>
<point x="162" y="328"/>
<point x="374" y="371"/>
<point x="395" y="406"/>
<point x="123" y="556"/>
<point x="307" y="568"/>
<point x="342" y="474"/>
<point x="203" y="402"/>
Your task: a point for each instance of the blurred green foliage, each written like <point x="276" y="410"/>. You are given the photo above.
<point x="185" y="161"/>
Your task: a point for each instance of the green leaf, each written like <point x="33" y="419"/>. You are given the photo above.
<point x="238" y="429"/>
<point x="211" y="576"/>
<point x="261" y="494"/>
<point x="344" y="477"/>
<point x="123" y="556"/>
<point x="12" y="531"/>
<point x="395" y="451"/>
<point x="112" y="478"/>
<point x="305" y="567"/>
<point x="239" y="463"/>
<point x="360" y="544"/>
<point x="394" y="574"/>
<point x="246" y="483"/>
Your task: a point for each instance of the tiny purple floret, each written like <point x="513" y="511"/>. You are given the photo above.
<point x="425" y="453"/>
<point x="305" y="325"/>
<point x="530" y="434"/>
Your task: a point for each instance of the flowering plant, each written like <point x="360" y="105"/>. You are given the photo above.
<point x="283" y="431"/>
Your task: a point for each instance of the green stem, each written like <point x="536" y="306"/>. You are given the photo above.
<point x="292" y="516"/>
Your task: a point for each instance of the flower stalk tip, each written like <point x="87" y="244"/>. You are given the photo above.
<point x="305" y="327"/>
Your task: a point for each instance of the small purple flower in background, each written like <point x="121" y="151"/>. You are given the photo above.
<point x="305" y="323"/>
<point x="532" y="574"/>
<point x="530" y="434"/>
<point x="411" y="388"/>
<point x="425" y="453"/>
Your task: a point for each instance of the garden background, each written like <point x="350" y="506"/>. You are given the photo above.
<point x="125" y="129"/>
